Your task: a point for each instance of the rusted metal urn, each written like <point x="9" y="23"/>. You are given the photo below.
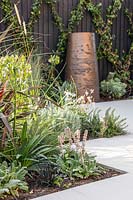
<point x="82" y="63"/>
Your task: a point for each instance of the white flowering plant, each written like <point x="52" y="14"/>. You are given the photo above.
<point x="74" y="161"/>
<point x="71" y="98"/>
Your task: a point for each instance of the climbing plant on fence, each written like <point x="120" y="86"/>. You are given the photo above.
<point x="103" y="28"/>
<point x="105" y="49"/>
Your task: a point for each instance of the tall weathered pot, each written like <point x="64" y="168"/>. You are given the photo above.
<point x="82" y="63"/>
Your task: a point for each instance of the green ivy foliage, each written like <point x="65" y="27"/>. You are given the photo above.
<point x="102" y="27"/>
<point x="35" y="13"/>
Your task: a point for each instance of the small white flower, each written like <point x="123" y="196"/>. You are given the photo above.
<point x="79" y="150"/>
<point x="86" y="93"/>
<point x="91" y="91"/>
<point x="73" y="147"/>
<point x="63" y="151"/>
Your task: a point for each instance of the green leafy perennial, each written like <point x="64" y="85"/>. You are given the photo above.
<point x="12" y="179"/>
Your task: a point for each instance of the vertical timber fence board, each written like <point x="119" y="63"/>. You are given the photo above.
<point x="46" y="32"/>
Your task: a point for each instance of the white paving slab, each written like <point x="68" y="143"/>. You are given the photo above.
<point x="115" y="152"/>
<point x="124" y="108"/>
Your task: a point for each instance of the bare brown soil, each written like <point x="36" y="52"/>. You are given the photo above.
<point x="36" y="190"/>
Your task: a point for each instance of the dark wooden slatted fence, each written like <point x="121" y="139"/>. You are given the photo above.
<point x="47" y="33"/>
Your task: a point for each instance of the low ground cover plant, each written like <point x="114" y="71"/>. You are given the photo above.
<point x="12" y="179"/>
<point x="74" y="162"/>
<point x="113" y="125"/>
<point x="113" y="87"/>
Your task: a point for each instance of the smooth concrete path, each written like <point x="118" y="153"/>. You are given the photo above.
<point x="115" y="152"/>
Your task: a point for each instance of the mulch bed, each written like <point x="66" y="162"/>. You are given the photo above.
<point x="36" y="191"/>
